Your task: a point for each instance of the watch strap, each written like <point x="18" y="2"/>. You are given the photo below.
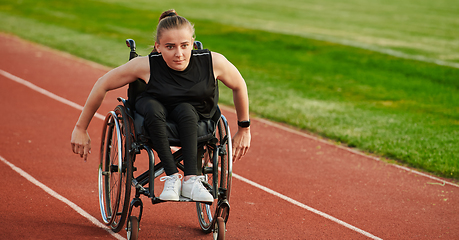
<point x="244" y="124"/>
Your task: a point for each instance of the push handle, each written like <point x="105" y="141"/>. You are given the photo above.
<point x="198" y="45"/>
<point x="131" y="44"/>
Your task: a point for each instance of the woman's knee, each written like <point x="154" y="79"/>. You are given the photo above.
<point x="151" y="109"/>
<point x="185" y="112"/>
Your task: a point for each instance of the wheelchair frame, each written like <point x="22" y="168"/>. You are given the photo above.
<point x="121" y="143"/>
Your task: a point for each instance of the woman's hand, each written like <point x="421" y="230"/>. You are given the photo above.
<point x="81" y="142"/>
<point x="241" y="143"/>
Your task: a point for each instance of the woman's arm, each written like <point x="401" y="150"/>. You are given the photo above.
<point x="116" y="78"/>
<point x="229" y="75"/>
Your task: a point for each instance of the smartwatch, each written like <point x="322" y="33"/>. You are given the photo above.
<point x="243" y="124"/>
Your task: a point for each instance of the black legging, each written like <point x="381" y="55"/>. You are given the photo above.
<point x="186" y="117"/>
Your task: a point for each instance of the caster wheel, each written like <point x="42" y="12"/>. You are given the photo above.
<point x="220" y="229"/>
<point x="133" y="228"/>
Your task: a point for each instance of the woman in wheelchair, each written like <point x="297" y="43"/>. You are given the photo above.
<point x="181" y="86"/>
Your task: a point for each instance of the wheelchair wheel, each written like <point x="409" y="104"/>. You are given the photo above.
<point x="217" y="167"/>
<point x="115" y="169"/>
<point x="133" y="228"/>
<point x="220" y="229"/>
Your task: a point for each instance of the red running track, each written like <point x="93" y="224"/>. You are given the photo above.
<point x="289" y="186"/>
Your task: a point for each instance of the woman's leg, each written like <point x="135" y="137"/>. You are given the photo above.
<point x="155" y="123"/>
<point x="186" y="118"/>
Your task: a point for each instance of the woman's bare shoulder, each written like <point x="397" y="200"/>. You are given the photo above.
<point x="139" y="67"/>
<point x="218" y="58"/>
<point x="219" y="63"/>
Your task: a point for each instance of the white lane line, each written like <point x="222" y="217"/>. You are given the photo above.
<point x="290" y="130"/>
<point x="72" y="104"/>
<point x="61" y="198"/>
<point x="301" y="205"/>
<point x="45" y="92"/>
<point x="353" y="151"/>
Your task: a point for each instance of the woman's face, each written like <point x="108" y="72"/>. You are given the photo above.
<point x="175" y="46"/>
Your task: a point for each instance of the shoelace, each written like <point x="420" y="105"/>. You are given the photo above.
<point x="199" y="181"/>
<point x="170" y="181"/>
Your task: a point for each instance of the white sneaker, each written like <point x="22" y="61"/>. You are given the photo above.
<point x="172" y="187"/>
<point x="193" y="189"/>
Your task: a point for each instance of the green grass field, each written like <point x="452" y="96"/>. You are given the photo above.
<point x="347" y="72"/>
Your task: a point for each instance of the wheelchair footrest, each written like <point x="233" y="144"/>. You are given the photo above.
<point x="185" y="199"/>
<point x="156" y="200"/>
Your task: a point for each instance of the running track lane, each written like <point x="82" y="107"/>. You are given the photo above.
<point x="377" y="198"/>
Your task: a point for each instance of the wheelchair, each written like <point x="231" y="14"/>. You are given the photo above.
<point x="124" y="137"/>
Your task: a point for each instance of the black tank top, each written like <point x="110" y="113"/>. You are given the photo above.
<point x="195" y="85"/>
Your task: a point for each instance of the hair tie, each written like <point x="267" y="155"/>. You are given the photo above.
<point x="171" y="14"/>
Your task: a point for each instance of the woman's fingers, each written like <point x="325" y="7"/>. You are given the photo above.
<point x="81" y="143"/>
<point x="82" y="150"/>
<point x="239" y="152"/>
<point x="235" y="154"/>
<point x="86" y="151"/>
